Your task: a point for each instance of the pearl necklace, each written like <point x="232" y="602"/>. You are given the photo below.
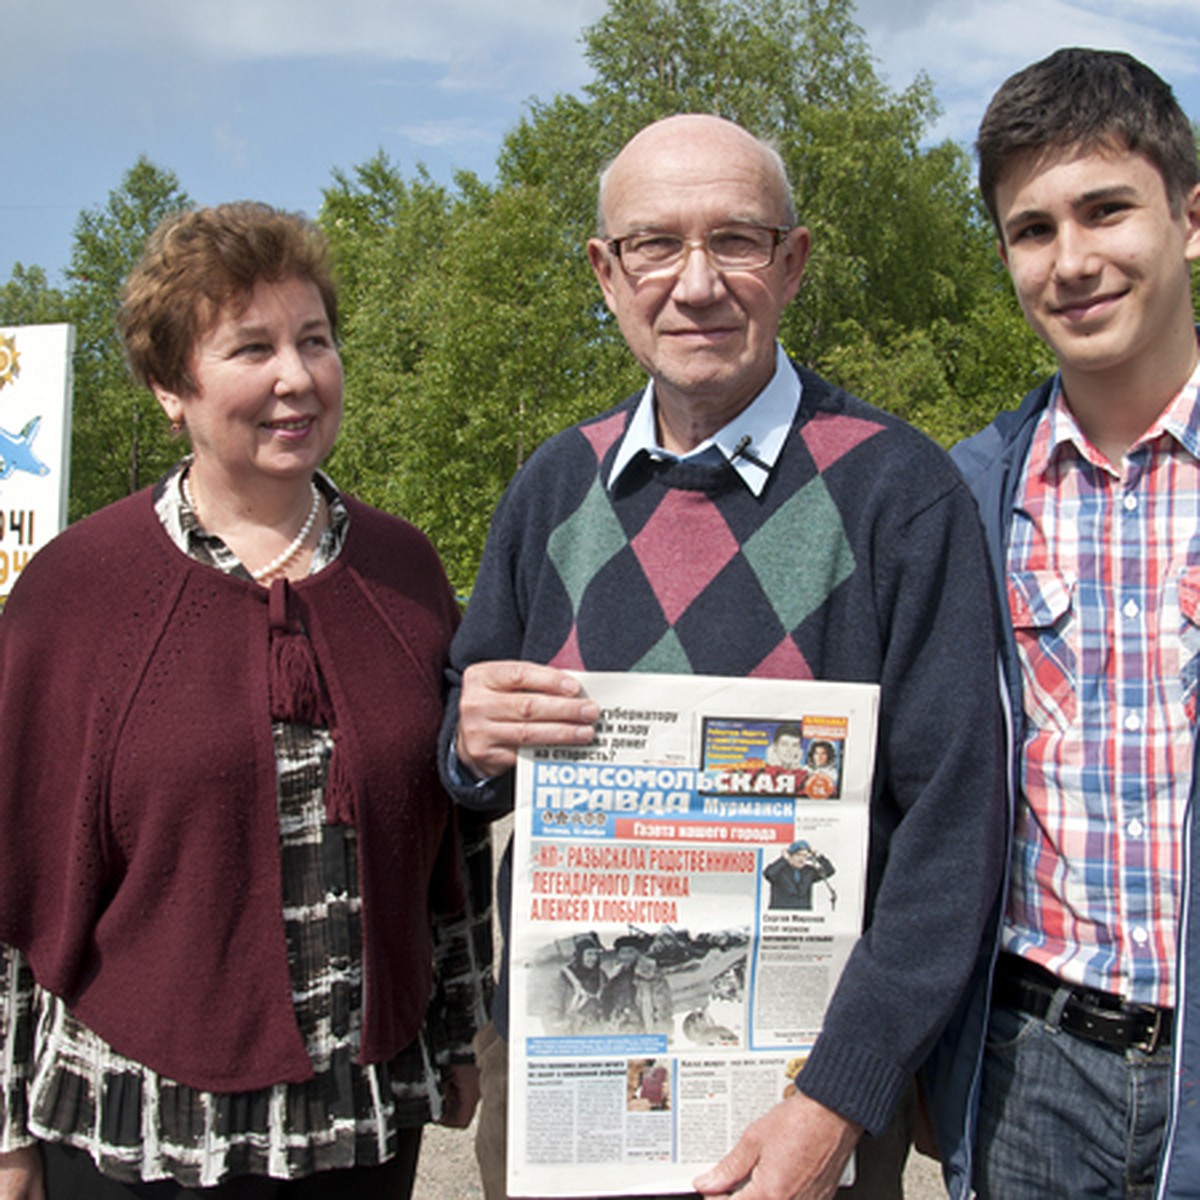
<point x="280" y="560"/>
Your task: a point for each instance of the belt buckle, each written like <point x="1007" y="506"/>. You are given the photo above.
<point x="1149" y="1043"/>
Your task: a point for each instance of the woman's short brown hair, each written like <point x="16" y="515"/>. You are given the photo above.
<point x="198" y="261"/>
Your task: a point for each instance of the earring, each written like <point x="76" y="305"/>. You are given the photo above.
<point x="177" y="426"/>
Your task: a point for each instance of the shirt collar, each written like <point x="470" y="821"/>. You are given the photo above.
<point x="750" y="443"/>
<point x="1061" y="430"/>
<point x="179" y="520"/>
<point x="1180" y="419"/>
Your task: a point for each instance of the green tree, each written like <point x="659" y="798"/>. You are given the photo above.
<point x="469" y="338"/>
<point x="386" y="232"/>
<point x="27" y="299"/>
<point x="896" y="233"/>
<point x="949" y="378"/>
<point x="120" y="440"/>
<point x="512" y="353"/>
<point x="474" y="329"/>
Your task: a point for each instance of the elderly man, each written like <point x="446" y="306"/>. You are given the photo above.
<point x="743" y="517"/>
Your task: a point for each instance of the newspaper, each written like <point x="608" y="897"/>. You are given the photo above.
<point x="686" y="891"/>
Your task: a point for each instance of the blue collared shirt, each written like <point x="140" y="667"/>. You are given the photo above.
<point x="765" y="422"/>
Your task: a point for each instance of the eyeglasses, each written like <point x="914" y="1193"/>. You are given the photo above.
<point x="730" y="248"/>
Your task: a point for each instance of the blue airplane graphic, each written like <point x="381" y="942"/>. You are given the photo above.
<point x="16" y="451"/>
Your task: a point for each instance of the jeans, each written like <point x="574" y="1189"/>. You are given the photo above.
<point x="1063" y="1117"/>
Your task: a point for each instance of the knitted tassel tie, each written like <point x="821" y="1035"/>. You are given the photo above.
<point x="341" y="804"/>
<point x="298" y="697"/>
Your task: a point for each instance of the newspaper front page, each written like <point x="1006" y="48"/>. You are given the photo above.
<point x="686" y="891"/>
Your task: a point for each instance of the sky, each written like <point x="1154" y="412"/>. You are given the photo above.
<point x="265" y="99"/>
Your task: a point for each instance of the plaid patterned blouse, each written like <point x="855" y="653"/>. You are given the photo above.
<point x="60" y="1082"/>
<point x="1104" y="592"/>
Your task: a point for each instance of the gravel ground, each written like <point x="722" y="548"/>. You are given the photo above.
<point x="447" y="1170"/>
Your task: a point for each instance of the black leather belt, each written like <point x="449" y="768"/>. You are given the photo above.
<point x="1093" y="1016"/>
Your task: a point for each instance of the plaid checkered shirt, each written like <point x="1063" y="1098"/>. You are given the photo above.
<point x="1104" y="592"/>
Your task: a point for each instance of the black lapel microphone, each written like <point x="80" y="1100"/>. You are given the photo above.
<point x="742" y="450"/>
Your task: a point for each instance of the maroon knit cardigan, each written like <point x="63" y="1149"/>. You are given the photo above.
<point x="139" y="853"/>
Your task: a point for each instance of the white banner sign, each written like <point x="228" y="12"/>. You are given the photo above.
<point x="35" y="441"/>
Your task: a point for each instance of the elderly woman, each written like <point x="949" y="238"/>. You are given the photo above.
<point x="238" y="954"/>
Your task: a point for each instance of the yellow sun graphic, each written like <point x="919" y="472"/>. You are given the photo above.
<point x="10" y="360"/>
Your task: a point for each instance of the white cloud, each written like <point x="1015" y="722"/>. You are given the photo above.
<point x="969" y="49"/>
<point x="897" y="14"/>
<point x="480" y="43"/>
<point x="228" y="145"/>
<point x="449" y="133"/>
<point x="533" y="47"/>
<point x="424" y="31"/>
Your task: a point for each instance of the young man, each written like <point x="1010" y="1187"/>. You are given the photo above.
<point x="741" y="516"/>
<point x="1090" y="496"/>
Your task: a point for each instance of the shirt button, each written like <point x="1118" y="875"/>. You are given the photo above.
<point x="1135" y="828"/>
<point x="1131" y="608"/>
<point x="1140" y="936"/>
<point x="1133" y="722"/>
<point x="1130" y="502"/>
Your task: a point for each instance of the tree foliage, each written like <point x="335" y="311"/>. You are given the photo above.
<point x="526" y="360"/>
<point x="471" y="327"/>
<point x="386" y="233"/>
<point x="477" y="330"/>
<point x="471" y="336"/>
<point x="27" y="299"/>
<point x="120" y="439"/>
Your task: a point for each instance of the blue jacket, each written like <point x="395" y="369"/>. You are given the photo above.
<point x="991" y="462"/>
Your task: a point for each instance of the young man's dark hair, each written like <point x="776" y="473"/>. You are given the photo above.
<point x="1087" y="98"/>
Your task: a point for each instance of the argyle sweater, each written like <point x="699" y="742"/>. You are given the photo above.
<point x="862" y="560"/>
